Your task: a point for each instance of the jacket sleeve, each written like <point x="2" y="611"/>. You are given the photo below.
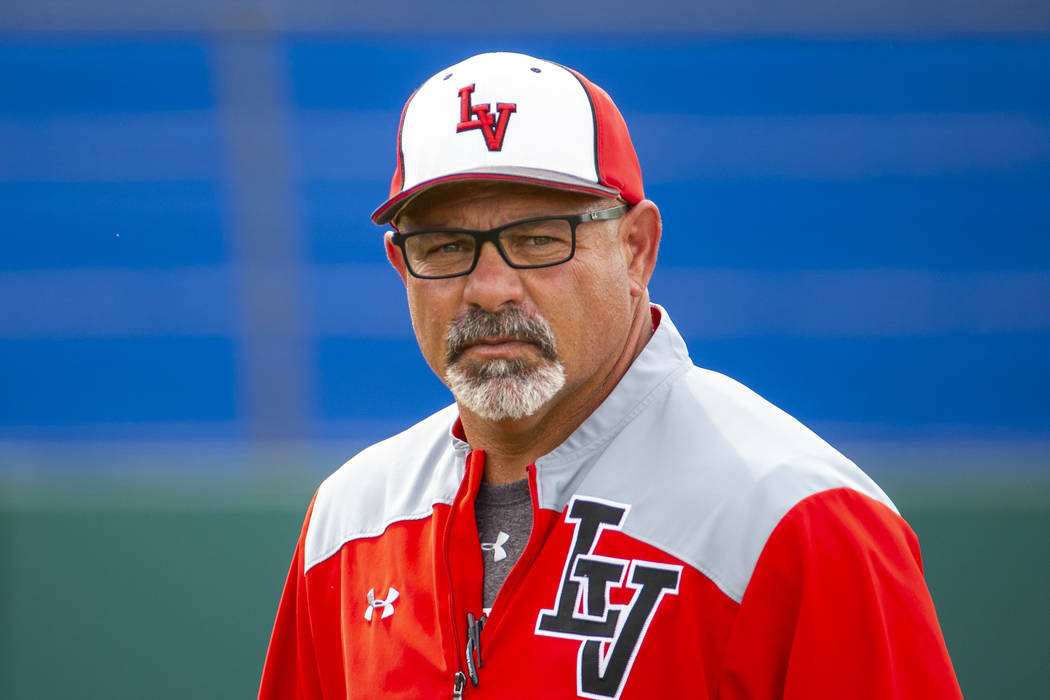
<point x="290" y="669"/>
<point x="837" y="607"/>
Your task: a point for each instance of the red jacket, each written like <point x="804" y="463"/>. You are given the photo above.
<point x="689" y="540"/>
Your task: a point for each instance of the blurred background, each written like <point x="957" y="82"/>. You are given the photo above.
<point x="197" y="322"/>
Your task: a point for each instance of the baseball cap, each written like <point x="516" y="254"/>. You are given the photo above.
<point x="515" y="118"/>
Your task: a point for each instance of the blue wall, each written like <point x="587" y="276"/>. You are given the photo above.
<point x="857" y="228"/>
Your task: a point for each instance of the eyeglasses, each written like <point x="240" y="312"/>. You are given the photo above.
<point x="540" y="242"/>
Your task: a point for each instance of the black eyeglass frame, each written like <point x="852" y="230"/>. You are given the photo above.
<point x="492" y="236"/>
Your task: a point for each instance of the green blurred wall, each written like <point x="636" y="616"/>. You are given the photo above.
<point x="151" y="592"/>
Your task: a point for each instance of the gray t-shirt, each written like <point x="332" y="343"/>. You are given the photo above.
<point x="504" y="515"/>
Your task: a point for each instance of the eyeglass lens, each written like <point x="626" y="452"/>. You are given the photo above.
<point x="529" y="244"/>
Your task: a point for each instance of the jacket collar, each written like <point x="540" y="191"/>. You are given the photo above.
<point x="664" y="357"/>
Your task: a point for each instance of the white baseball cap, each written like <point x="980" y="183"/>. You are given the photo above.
<point x="511" y="117"/>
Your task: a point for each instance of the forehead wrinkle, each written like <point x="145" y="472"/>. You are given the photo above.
<point x="484" y="206"/>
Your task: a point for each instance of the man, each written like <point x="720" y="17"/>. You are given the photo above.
<point x="594" y="517"/>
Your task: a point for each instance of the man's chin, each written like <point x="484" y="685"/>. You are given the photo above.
<point x="500" y="390"/>
<point x="482" y="369"/>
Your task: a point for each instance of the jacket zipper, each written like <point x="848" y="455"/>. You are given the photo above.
<point x="472" y="654"/>
<point x="460" y="678"/>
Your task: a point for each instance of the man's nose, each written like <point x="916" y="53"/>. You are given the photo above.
<point x="493" y="283"/>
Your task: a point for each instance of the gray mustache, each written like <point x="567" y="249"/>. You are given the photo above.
<point x="477" y="324"/>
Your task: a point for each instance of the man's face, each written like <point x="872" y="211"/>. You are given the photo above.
<point x="550" y="332"/>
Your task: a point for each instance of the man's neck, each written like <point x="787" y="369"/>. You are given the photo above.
<point x="512" y="445"/>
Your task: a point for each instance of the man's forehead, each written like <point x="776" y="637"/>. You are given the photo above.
<point x="456" y="198"/>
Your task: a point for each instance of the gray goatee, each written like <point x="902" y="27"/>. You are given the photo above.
<point x="502" y="388"/>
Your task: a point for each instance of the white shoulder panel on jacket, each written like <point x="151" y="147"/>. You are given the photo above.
<point x="708" y="467"/>
<point x="400" y="478"/>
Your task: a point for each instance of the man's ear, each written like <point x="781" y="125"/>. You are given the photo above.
<point x="641" y="229"/>
<point x="393" y="254"/>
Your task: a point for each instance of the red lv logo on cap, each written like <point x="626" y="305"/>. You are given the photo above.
<point x="471" y="117"/>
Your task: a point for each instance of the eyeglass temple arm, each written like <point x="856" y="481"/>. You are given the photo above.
<point x="604" y="214"/>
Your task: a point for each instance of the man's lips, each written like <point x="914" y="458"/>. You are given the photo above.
<point x="497" y="347"/>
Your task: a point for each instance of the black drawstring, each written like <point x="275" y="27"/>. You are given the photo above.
<point x="474" y="646"/>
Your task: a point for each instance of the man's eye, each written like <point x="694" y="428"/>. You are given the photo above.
<point x="537" y="241"/>
<point x="447" y="247"/>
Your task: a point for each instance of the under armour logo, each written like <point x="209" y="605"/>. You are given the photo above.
<point x="387" y="605"/>
<point x="498" y="553"/>
<point x="492" y="127"/>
